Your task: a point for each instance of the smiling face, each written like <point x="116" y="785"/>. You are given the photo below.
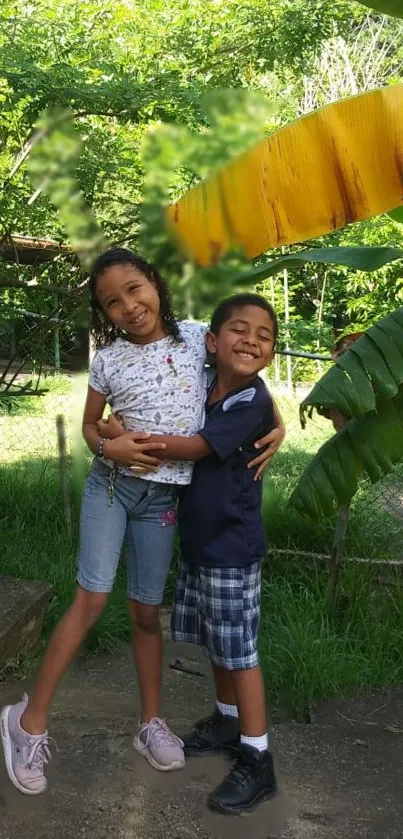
<point x="244" y="344"/>
<point x="131" y="302"/>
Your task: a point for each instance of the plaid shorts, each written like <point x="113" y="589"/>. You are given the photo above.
<point x="219" y="609"/>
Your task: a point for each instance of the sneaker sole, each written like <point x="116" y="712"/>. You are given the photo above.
<point x="229" y="749"/>
<point x="242" y="811"/>
<point x="213" y="750"/>
<point x="172" y="767"/>
<point x="7" y="748"/>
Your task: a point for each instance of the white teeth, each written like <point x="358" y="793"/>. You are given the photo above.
<point x="246" y="355"/>
<point x="139" y="319"/>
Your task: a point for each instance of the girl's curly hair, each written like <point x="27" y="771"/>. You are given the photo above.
<point x="103" y="330"/>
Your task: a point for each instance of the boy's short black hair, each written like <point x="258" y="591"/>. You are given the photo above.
<point x="225" y="309"/>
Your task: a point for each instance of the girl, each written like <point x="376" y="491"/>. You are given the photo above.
<point x="151" y="370"/>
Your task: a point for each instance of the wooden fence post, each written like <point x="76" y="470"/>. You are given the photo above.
<point x="336" y="554"/>
<point x="64" y="484"/>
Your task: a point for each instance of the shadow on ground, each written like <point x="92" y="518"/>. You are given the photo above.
<point x="341" y="776"/>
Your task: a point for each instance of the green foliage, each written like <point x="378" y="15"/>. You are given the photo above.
<point x="387" y="7"/>
<point x="307" y="655"/>
<point x="172" y="154"/>
<point x="52" y="166"/>
<point x="373" y="443"/>
<point x="397" y="215"/>
<point x="148" y="85"/>
<point x="358" y="258"/>
<point x="366" y="383"/>
<point x="371" y="368"/>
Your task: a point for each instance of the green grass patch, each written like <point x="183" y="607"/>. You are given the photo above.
<point x="307" y="653"/>
<point x="55" y="385"/>
<point x="35" y="544"/>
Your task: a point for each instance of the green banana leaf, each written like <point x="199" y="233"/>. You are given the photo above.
<point x="373" y="444"/>
<point x="396" y="215"/>
<point x="358" y="259"/>
<point x="386" y="7"/>
<point x="369" y="371"/>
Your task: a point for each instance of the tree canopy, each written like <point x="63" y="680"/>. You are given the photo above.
<point x="127" y="69"/>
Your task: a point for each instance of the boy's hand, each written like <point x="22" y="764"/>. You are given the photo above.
<point x="111" y="427"/>
<point x="130" y="449"/>
<point x="271" y="443"/>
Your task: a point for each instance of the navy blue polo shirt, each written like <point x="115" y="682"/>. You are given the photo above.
<point x="219" y="518"/>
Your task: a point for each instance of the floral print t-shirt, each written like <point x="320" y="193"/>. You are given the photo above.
<point x="158" y="387"/>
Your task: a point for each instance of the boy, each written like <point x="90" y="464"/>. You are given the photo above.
<point x="217" y="602"/>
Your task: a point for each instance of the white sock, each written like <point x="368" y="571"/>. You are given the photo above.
<point x="227" y="710"/>
<point x="259" y="743"/>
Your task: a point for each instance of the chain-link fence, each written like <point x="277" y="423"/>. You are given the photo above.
<point x="29" y="433"/>
<point x="375" y="518"/>
<point x="377" y="510"/>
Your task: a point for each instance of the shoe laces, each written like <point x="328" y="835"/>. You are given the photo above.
<point x="205" y="726"/>
<point x="242" y="769"/>
<point x="40" y="752"/>
<point x="164" y="736"/>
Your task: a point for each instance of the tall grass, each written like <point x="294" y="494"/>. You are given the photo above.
<point x="34" y="544"/>
<point x="308" y="652"/>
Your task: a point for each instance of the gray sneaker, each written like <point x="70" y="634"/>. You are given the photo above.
<point x="25" y="754"/>
<point x="160" y="746"/>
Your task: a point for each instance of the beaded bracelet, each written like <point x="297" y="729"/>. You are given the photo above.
<point x="100" y="452"/>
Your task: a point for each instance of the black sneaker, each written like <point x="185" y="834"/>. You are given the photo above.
<point x="213" y="734"/>
<point x="250" y="781"/>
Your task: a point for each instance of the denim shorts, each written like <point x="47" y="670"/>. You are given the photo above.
<point x="219" y="609"/>
<point x="141" y="514"/>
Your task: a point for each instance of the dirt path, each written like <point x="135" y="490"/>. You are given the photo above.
<point x="341" y="776"/>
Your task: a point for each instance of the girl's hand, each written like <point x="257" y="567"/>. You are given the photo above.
<point x="112" y="427"/>
<point x="130" y="449"/>
<point x="271" y="443"/>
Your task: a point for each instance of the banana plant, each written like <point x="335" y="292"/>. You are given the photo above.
<point x="259" y="201"/>
<point x="365" y="384"/>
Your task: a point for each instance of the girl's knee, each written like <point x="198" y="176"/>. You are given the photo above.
<point x="145" y="618"/>
<point x="89" y="605"/>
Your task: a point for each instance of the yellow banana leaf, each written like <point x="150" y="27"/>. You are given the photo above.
<point x="339" y="164"/>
